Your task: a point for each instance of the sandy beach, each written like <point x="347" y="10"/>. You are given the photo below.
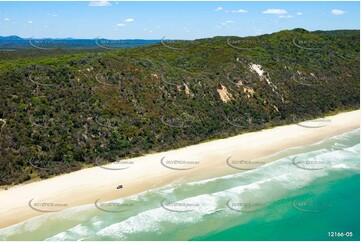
<point x="140" y="174"/>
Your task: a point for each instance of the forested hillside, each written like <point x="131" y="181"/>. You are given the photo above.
<point x="61" y="112"/>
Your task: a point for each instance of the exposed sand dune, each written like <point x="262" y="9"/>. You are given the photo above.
<point x="224" y="94"/>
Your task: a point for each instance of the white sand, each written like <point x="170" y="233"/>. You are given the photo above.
<point x="88" y="185"/>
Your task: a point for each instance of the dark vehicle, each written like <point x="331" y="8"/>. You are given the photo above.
<point x="120" y="186"/>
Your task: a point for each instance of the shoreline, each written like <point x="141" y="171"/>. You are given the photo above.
<point x="204" y="160"/>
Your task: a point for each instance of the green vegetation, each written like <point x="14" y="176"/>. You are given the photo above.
<point x="60" y="111"/>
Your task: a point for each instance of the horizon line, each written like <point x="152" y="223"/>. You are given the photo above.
<point x="162" y="38"/>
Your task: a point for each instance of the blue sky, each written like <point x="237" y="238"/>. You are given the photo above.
<point x="175" y="20"/>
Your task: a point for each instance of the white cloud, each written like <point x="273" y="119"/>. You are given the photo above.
<point x="299" y="13"/>
<point x="30" y="22"/>
<point x="227" y="22"/>
<point x="286" y="16"/>
<point x="337" y="12"/>
<point x="275" y="11"/>
<point x="121" y="25"/>
<point x="129" y="20"/>
<point x="237" y="11"/>
<point x="6" y="19"/>
<point x="51" y="14"/>
<point x="218" y="9"/>
<point x="101" y="3"/>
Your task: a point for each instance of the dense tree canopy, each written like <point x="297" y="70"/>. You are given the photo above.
<point x="61" y="111"/>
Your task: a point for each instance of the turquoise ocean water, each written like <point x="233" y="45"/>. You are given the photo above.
<point x="307" y="193"/>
